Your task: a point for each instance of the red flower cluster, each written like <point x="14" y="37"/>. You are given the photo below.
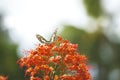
<point x="58" y="60"/>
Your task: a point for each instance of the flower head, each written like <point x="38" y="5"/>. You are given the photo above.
<point x="58" y="60"/>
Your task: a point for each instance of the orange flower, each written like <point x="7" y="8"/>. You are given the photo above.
<point x="3" y="78"/>
<point x="58" y="60"/>
<point x="46" y="77"/>
<point x="35" y="78"/>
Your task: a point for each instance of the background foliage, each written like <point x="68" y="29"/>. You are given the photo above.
<point x="8" y="55"/>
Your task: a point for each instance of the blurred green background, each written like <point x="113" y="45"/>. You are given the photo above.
<point x="8" y="55"/>
<point x="102" y="46"/>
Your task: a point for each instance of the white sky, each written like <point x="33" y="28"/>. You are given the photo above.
<point x="25" y="18"/>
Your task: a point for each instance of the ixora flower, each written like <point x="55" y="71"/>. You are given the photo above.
<point x="3" y="77"/>
<point x="57" y="60"/>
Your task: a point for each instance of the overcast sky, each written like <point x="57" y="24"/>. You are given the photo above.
<point x="25" y="18"/>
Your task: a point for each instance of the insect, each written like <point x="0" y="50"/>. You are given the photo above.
<point x="43" y="40"/>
